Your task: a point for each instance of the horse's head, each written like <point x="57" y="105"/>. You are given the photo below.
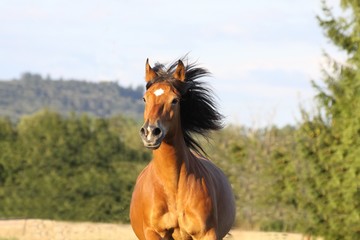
<point x="162" y="106"/>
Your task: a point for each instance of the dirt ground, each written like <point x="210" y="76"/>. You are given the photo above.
<point x="34" y="229"/>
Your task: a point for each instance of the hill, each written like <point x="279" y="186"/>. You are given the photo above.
<point x="32" y="92"/>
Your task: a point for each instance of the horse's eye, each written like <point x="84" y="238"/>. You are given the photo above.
<point x="144" y="100"/>
<point x="175" y="101"/>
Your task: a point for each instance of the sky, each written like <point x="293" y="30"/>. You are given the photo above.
<point x="262" y="54"/>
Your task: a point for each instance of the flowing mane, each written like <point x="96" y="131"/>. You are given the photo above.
<point x="197" y="104"/>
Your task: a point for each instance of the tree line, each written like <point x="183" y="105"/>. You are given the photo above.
<point x="32" y="92"/>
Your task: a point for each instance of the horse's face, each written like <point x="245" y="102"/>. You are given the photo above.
<point x="161" y="114"/>
<point x="162" y="109"/>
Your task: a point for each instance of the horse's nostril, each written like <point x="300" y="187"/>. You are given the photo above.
<point x="156" y="131"/>
<point x="142" y="131"/>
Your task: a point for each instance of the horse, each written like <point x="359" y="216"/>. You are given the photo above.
<point x="180" y="194"/>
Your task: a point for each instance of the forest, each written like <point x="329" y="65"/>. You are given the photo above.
<point x="72" y="164"/>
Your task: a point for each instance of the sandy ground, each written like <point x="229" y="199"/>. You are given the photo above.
<point x="34" y="229"/>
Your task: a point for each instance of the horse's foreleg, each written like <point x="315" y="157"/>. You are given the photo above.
<point x="209" y="235"/>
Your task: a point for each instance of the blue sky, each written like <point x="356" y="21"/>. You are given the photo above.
<point x="262" y="54"/>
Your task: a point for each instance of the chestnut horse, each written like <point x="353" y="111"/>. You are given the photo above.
<point x="180" y="194"/>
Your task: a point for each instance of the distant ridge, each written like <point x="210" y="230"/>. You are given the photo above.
<point x="32" y="92"/>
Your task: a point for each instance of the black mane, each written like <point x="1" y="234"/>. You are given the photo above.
<point x="197" y="106"/>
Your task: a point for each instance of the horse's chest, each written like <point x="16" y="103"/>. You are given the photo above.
<point x="185" y="211"/>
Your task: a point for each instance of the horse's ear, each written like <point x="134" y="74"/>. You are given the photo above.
<point x="150" y="74"/>
<point x="179" y="73"/>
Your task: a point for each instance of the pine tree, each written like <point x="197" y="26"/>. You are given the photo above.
<point x="330" y="141"/>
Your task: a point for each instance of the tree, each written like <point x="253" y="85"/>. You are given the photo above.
<point x="329" y="141"/>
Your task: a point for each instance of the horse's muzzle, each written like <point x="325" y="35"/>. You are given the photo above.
<point x="151" y="135"/>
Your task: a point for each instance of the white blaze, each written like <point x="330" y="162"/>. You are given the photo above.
<point x="158" y="92"/>
<point x="149" y="133"/>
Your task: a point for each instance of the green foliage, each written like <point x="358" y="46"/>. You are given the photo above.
<point x="295" y="179"/>
<point x="75" y="168"/>
<point x="83" y="168"/>
<point x="32" y="93"/>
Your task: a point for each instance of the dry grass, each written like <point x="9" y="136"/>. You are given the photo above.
<point x="33" y="229"/>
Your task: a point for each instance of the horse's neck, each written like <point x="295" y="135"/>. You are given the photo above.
<point x="169" y="159"/>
